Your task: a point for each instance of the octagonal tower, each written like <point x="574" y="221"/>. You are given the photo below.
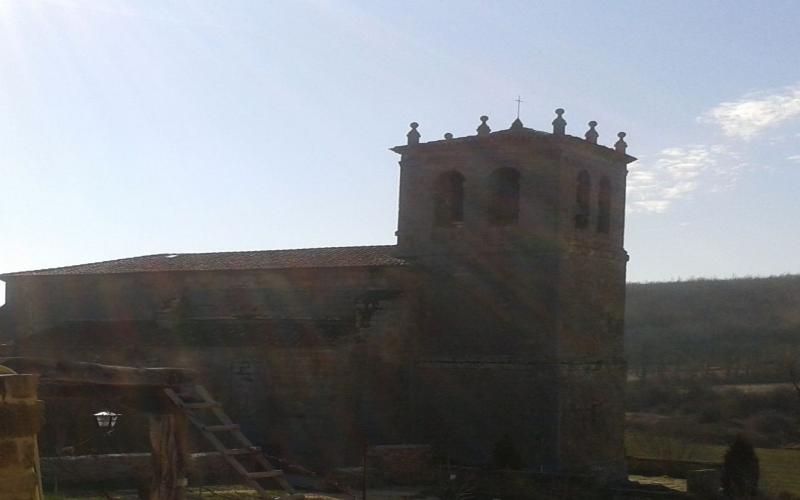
<point x="520" y="236"/>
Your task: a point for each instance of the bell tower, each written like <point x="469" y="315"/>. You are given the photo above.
<point x="518" y="235"/>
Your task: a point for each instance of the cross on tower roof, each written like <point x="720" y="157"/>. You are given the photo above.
<point x="519" y="101"/>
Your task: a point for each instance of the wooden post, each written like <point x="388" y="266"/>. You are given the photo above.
<point x="169" y="456"/>
<point x="364" y="473"/>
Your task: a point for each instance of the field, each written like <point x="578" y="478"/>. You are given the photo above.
<point x="753" y="388"/>
<point x="780" y="469"/>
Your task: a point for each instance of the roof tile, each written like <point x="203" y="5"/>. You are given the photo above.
<point x="363" y="256"/>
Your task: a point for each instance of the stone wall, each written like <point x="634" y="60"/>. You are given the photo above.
<point x="129" y="470"/>
<point x="591" y="356"/>
<point x="308" y="405"/>
<point x="467" y="407"/>
<point x="401" y="465"/>
<point x="20" y="419"/>
<point x="310" y="377"/>
<point x="37" y="303"/>
<point x="538" y="197"/>
<point x="664" y="467"/>
<point x="485" y="366"/>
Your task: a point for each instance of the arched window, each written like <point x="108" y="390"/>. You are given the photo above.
<point x="604" y="206"/>
<point x="582" y="209"/>
<point x="448" y="199"/>
<point x="504" y="197"/>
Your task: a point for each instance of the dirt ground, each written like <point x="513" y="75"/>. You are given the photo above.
<point x="666" y="481"/>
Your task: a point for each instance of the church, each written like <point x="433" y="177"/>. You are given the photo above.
<point x="497" y="316"/>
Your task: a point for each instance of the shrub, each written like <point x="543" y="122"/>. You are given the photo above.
<point x="773" y="422"/>
<point x="740" y="470"/>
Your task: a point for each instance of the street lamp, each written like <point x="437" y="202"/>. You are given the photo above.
<point x="106" y="420"/>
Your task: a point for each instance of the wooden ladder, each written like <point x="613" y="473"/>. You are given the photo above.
<point x="193" y="399"/>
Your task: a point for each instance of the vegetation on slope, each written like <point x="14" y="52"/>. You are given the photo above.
<point x="745" y="329"/>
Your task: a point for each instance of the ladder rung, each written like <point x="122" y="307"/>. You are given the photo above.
<point x="242" y="451"/>
<point x="190" y="398"/>
<point x="204" y="404"/>
<point x="221" y="428"/>
<point x="265" y="474"/>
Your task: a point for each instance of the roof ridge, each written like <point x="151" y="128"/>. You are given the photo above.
<point x="269" y="250"/>
<point x="339" y="256"/>
<point x="54" y="268"/>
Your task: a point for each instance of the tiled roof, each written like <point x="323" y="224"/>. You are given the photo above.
<point x="366" y="256"/>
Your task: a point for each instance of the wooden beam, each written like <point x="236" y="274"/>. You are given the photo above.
<point x="169" y="456"/>
<point x="73" y="372"/>
<point x="145" y="399"/>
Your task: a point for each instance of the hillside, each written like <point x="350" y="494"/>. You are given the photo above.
<point x="745" y="329"/>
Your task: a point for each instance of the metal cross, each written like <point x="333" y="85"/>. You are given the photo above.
<point x="519" y="101"/>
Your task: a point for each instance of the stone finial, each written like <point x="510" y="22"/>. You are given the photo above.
<point x="559" y="124"/>
<point x="483" y="128"/>
<point x="448" y="136"/>
<point x="621" y="146"/>
<point x="517" y="124"/>
<point x="591" y="134"/>
<point x="413" y="135"/>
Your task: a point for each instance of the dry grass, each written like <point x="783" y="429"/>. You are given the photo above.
<point x="666" y="481"/>
<point x="752" y="388"/>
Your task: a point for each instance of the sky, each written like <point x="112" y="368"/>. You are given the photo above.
<point x="138" y="127"/>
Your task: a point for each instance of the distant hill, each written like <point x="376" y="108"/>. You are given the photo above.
<point x="745" y="329"/>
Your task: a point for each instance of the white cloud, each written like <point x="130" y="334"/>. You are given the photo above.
<point x="754" y="113"/>
<point x="676" y="173"/>
<point x="672" y="174"/>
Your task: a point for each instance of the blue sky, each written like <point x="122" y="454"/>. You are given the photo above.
<point x="130" y="128"/>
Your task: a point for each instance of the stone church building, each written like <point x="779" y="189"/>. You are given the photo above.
<point x="498" y="314"/>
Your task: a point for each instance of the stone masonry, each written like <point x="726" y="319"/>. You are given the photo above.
<point x="20" y="419"/>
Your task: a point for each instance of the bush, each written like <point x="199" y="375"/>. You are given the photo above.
<point x="693" y="410"/>
<point x="740" y="470"/>
<point x="773" y="422"/>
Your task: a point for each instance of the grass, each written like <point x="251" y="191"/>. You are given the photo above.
<point x="667" y="482"/>
<point x="752" y="388"/>
<point x="192" y="493"/>
<point x="780" y="469"/>
<point x="205" y="493"/>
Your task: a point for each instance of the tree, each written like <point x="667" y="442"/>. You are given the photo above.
<point x="740" y="470"/>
